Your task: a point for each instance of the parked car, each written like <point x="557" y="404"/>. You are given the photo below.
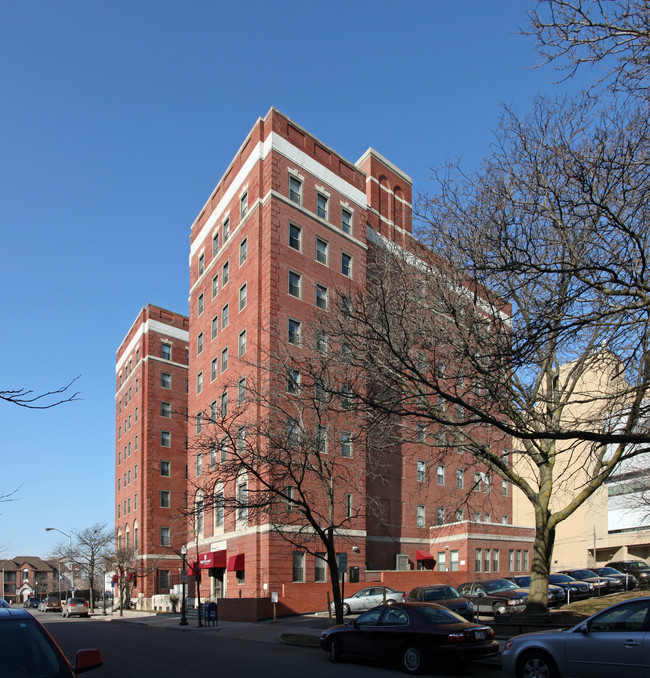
<point x="495" y="596"/>
<point x="613" y="642"/>
<point x="50" y="604"/>
<point x="74" y="606"/>
<point x="601" y="584"/>
<point x="556" y="594"/>
<point x="370" y="597"/>
<point x="574" y="589"/>
<point x="27" y="649"/>
<point x="415" y="634"/>
<point x="31" y="602"/>
<point x="638" y="568"/>
<point x="629" y="581"/>
<point x="443" y="595"/>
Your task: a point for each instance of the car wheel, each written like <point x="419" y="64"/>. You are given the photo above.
<point x="412" y="659"/>
<point x="336" y="651"/>
<point x="536" y="664"/>
<point x="498" y="608"/>
<point x="346" y="609"/>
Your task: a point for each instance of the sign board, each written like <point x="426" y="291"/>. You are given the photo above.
<point x="183" y="575"/>
<point x="274" y="597"/>
<point x="343" y="562"/>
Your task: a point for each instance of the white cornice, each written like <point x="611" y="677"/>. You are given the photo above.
<point x="151" y="326"/>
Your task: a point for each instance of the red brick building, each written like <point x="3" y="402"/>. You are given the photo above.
<point x="291" y="224"/>
<point x="151" y="445"/>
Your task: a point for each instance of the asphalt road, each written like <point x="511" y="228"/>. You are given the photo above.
<point x="139" y="651"/>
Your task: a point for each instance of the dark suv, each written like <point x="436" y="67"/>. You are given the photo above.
<point x="443" y="595"/>
<point x="639" y="568"/>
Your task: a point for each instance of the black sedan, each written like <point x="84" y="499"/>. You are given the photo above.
<point x="414" y="634"/>
<point x="556" y="594"/>
<point x="601" y="584"/>
<point x="574" y="589"/>
<point x="446" y="596"/>
<point x="629" y="581"/>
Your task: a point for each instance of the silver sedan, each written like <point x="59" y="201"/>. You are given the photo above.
<point x="614" y="642"/>
<point x="371" y="597"/>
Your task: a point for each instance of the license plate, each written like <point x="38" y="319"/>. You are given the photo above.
<point x="480" y="635"/>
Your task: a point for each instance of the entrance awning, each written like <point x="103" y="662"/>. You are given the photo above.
<point x="236" y="563"/>
<point x="424" y="555"/>
<point x="212" y="559"/>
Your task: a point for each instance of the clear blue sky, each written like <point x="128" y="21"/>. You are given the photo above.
<point x="117" y="120"/>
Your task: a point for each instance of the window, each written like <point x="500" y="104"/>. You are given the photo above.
<point x="504" y="519"/>
<point x="321" y="296"/>
<point x="440" y="515"/>
<point x="421" y="433"/>
<point x="420" y="516"/>
<point x="199" y="422"/>
<point x="295" y="190"/>
<point x="213" y="456"/>
<point x="293" y="432"/>
<point x="199" y="382"/>
<point x="225" y="274"/>
<point x="225" y="316"/>
<point x="478" y="559"/>
<point x="243" y="207"/>
<point x="241" y="390"/>
<point x="165" y="410"/>
<point x="421" y="472"/>
<point x="242" y="343"/>
<point x="526" y="561"/>
<point x="293" y="380"/>
<point x="135" y="471"/>
<point x="224" y="359"/>
<point x="346" y="221"/>
<point x="165" y="438"/>
<point x="460" y="477"/>
<point x="459" y="515"/>
<point x="215" y="326"/>
<point x="199" y="343"/>
<point x="346" y="397"/>
<point x="223" y="449"/>
<point x="295" y="237"/>
<point x="136" y="414"/>
<point x="518" y="560"/>
<point x="226" y="229"/>
<point x="201" y="264"/>
<point x="242" y="501"/>
<point x="346" y="264"/>
<point x="320" y="567"/>
<point x="321" y="341"/>
<point x="440" y="475"/>
<point x="495" y="560"/>
<point x="243" y="251"/>
<point x="299" y="566"/>
<point x="215" y="285"/>
<point x="321" y="251"/>
<point x="487" y="561"/>
<point x="165" y="536"/>
<point x="321" y="205"/>
<point x="223" y="407"/>
<point x="294" y="284"/>
<point x="346" y="444"/>
<point x="321" y="439"/>
<point x="504" y="487"/>
<point x="348" y="506"/>
<point x="478" y="478"/>
<point x="242" y="297"/>
<point x="199" y="304"/>
<point x="442" y="561"/>
<point x="218" y="507"/>
<point x="215" y="244"/>
<point x="294" y="332"/>
<point x="166" y="351"/>
<point x="199" y="463"/>
<point x="214" y="369"/>
<point x="165" y="499"/>
<point x="487" y="517"/>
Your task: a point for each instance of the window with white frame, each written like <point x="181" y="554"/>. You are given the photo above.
<point x="199" y="463"/>
<point x="224" y="359"/>
<point x="321" y="205"/>
<point x="165" y="379"/>
<point x="241" y="343"/>
<point x="201" y="264"/>
<point x="346" y="444"/>
<point x="243" y="251"/>
<point x="243" y="297"/>
<point x="321" y="296"/>
<point x="322" y="248"/>
<point x="223" y="406"/>
<point x="295" y="190"/>
<point x="346" y="221"/>
<point x="166" y="351"/>
<point x="420" y="519"/>
<point x="165" y="410"/>
<point x="241" y="390"/>
<point x="294" y="284"/>
<point x="225" y="316"/>
<point x="478" y="560"/>
<point x="226" y="229"/>
<point x="421" y="471"/>
<point x="165" y="439"/>
<point x="346" y="264"/>
<point x="320" y="567"/>
<point x="165" y="499"/>
<point x="165" y="536"/>
<point x="293" y="380"/>
<point x="298" y="566"/>
<point x="165" y="468"/>
<point x="243" y="206"/>
<point x="460" y="478"/>
<point x="242" y="501"/>
<point x="214" y="327"/>
<point x="199" y="382"/>
<point x="199" y="422"/>
<point x="215" y="244"/>
<point x="321" y="439"/>
<point x="199" y="304"/>
<point x="215" y="285"/>
<point x="294" y="335"/>
<point x="214" y="369"/>
<point x="199" y="343"/>
<point x="459" y="515"/>
<point x="295" y="237"/>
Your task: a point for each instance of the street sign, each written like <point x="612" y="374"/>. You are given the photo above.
<point x="343" y="562"/>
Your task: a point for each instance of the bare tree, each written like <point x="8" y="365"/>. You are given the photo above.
<point x="527" y="316"/>
<point x="613" y="34"/>
<point x="90" y="549"/>
<point x="27" y="398"/>
<point x="283" y="453"/>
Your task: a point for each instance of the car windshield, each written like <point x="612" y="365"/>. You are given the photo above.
<point x="581" y="574"/>
<point x="25" y="647"/>
<point x="607" y="570"/>
<point x="440" y="593"/>
<point x="522" y="581"/>
<point x="499" y="585"/>
<point x="440" y="615"/>
<point x="638" y="566"/>
<point x="560" y="578"/>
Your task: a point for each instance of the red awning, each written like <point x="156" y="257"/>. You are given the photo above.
<point x="192" y="568"/>
<point x="236" y="563"/>
<point x="424" y="555"/>
<point x="212" y="559"/>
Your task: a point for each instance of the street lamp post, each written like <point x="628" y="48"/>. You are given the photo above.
<point x="183" y="621"/>
<point x="56" y="529"/>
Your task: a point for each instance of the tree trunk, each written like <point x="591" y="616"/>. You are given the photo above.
<point x="541" y="561"/>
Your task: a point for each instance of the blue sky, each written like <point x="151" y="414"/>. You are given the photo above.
<point x="117" y="121"/>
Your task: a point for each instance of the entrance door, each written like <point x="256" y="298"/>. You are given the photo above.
<point x="217" y="583"/>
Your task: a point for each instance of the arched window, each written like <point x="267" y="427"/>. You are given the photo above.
<point x="119" y="539"/>
<point x="126" y="536"/>
<point x="198" y="512"/>
<point x="218" y="504"/>
<point x="135" y="536"/>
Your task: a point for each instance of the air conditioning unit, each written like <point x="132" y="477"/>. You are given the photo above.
<point x="402" y="562"/>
